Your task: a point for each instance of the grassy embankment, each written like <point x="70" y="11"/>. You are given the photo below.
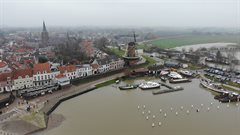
<point x="106" y="83"/>
<point x="194" y="66"/>
<point x="192" y="39"/>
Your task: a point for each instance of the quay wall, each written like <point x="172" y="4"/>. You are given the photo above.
<point x="52" y="104"/>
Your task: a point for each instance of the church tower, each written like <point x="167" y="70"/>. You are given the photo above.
<point x="44" y="37"/>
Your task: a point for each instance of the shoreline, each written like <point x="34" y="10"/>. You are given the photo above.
<point x="40" y="119"/>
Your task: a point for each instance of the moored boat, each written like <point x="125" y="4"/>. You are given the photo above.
<point x="179" y="80"/>
<point x="186" y="73"/>
<point x="164" y="79"/>
<point x="149" y="85"/>
<point x="127" y="87"/>
<point x="175" y="75"/>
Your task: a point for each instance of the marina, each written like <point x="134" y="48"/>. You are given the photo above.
<point x="223" y="96"/>
<point x="188" y="111"/>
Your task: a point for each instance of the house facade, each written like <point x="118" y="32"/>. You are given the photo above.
<point x="42" y="74"/>
<point x="69" y="71"/>
<point x="22" y="79"/>
<point x="84" y="70"/>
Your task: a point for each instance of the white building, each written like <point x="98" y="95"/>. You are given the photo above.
<point x="62" y="80"/>
<point x="22" y="79"/>
<point x="103" y="65"/>
<point x="84" y="70"/>
<point x="42" y="74"/>
<point x="69" y="71"/>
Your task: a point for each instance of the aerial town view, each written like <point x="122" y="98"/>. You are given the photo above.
<point x="119" y="67"/>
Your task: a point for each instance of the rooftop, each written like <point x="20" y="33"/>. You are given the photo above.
<point x="41" y="67"/>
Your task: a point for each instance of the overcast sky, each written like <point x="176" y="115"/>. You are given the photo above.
<point x="172" y="13"/>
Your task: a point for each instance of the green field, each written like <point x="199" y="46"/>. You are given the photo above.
<point x="118" y="52"/>
<point x="194" y="39"/>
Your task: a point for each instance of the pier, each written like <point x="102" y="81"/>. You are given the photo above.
<point x="170" y="89"/>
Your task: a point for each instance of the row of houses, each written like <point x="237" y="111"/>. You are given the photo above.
<point x="48" y="73"/>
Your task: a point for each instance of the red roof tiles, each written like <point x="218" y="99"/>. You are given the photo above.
<point x="23" y="73"/>
<point x="4" y="76"/>
<point x="3" y="64"/>
<point x="68" y="68"/>
<point x="41" y="67"/>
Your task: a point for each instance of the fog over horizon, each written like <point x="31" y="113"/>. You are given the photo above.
<point x="120" y="13"/>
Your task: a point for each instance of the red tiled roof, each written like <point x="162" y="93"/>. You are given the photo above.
<point x="22" y="73"/>
<point x="4" y="76"/>
<point x="41" y="67"/>
<point x="68" y="68"/>
<point x="3" y="64"/>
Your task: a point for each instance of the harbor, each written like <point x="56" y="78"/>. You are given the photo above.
<point x="188" y="111"/>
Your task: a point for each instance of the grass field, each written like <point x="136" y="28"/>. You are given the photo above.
<point x="193" y="39"/>
<point x="118" y="52"/>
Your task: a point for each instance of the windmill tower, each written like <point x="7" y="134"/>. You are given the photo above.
<point x="131" y="55"/>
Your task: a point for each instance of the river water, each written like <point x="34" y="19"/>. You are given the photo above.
<point x="109" y="111"/>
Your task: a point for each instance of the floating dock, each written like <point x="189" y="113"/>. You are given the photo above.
<point x="167" y="90"/>
<point x="170" y="89"/>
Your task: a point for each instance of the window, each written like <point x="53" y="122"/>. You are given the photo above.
<point x="19" y="77"/>
<point x="26" y="76"/>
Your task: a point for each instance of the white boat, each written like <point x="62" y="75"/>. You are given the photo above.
<point x="163" y="73"/>
<point x="149" y="85"/>
<point x="175" y="75"/>
<point x="186" y="73"/>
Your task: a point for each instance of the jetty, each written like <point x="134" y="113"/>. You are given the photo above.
<point x="170" y="89"/>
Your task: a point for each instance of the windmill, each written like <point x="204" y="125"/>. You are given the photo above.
<point x="131" y="54"/>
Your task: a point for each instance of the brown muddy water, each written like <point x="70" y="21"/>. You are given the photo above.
<point x="109" y="111"/>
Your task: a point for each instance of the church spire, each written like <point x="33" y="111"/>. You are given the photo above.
<point x="44" y="26"/>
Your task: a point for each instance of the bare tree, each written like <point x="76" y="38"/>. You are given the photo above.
<point x="231" y="55"/>
<point x="219" y="56"/>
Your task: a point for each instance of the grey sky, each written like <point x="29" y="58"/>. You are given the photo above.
<point x="218" y="13"/>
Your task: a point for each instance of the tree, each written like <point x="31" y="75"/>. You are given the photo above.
<point x="219" y="56"/>
<point x="101" y="43"/>
<point x="231" y="55"/>
<point x="42" y="59"/>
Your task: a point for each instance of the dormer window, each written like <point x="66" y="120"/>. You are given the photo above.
<point x="19" y="77"/>
<point x="26" y="76"/>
